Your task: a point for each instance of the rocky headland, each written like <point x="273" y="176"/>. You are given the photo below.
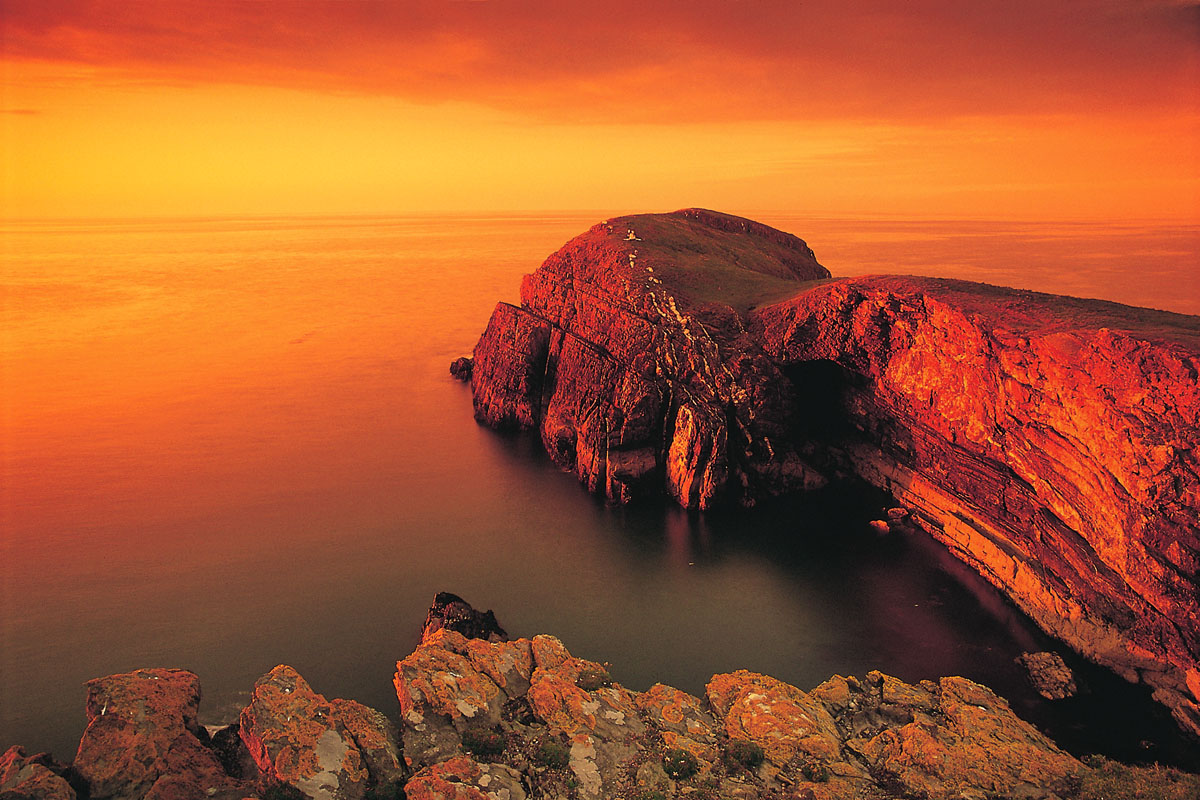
<point x="1051" y="443"/>
<point x="483" y="717"/>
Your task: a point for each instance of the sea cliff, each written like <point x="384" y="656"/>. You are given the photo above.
<point x="1052" y="443"/>
<point x="483" y="717"/>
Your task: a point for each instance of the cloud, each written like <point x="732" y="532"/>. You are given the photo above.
<point x="646" y="61"/>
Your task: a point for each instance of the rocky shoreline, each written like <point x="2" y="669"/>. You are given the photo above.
<point x="1051" y="443"/>
<point x="483" y="717"/>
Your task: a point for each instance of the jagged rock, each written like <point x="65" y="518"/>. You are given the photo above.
<point x="24" y="777"/>
<point x="541" y="723"/>
<point x="461" y="778"/>
<point x="960" y="737"/>
<point x="847" y="738"/>
<point x="1051" y="443"/>
<point x="1049" y="674"/>
<point x="461" y="368"/>
<point x="143" y="741"/>
<point x="451" y="612"/>
<point x="329" y="750"/>
<point x="791" y="726"/>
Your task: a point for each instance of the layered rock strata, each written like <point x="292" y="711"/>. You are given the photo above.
<point x="1051" y="443"/>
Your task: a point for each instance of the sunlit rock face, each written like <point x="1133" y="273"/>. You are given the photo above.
<point x="328" y="749"/>
<point x="143" y="741"/>
<point x="1049" y="442"/>
<point x="752" y="736"/>
<point x="630" y="357"/>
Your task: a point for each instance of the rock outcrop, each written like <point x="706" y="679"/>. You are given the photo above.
<point x="510" y="720"/>
<point x="328" y="749"/>
<point x="23" y="776"/>
<point x="451" y="612"/>
<point x="527" y="719"/>
<point x="143" y="741"/>
<point x="1051" y="443"/>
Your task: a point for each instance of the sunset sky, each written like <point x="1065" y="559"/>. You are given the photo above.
<point x="1021" y="109"/>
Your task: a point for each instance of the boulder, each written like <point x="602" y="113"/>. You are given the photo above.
<point x="143" y="741"/>
<point x="36" y="777"/>
<point x="1049" y="674"/>
<point x="329" y="750"/>
<point x="461" y="368"/>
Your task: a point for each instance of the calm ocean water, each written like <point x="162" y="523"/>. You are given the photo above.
<point x="233" y="443"/>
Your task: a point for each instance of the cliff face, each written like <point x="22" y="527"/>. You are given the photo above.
<point x="1049" y="442"/>
<point x="629" y="356"/>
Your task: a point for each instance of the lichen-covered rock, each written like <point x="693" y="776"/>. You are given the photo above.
<point x="329" y="750"/>
<point x="143" y="741"/>
<point x="786" y="722"/>
<point x="25" y="777"/>
<point x="963" y="737"/>
<point x="681" y="721"/>
<point x="462" y="778"/>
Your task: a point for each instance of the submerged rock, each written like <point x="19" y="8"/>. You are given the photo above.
<point x="1051" y="443"/>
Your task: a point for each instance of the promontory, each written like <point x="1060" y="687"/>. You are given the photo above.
<point x="1051" y="443"/>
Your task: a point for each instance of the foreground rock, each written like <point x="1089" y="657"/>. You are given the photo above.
<point x="143" y="741"/>
<point x="1051" y="443"/>
<point x="33" y="776"/>
<point x="509" y="720"/>
<point x="329" y="750"/>
<point x="527" y="719"/>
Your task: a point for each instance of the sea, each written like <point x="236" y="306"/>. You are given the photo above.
<point x="233" y="442"/>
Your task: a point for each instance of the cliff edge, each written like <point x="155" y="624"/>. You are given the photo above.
<point x="1052" y="443"/>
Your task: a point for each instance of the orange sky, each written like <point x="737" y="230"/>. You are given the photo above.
<point x="1019" y="109"/>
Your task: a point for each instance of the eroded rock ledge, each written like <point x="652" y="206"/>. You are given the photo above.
<point x="488" y="719"/>
<point x="1052" y="443"/>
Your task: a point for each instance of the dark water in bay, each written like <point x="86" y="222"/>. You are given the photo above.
<point x="233" y="443"/>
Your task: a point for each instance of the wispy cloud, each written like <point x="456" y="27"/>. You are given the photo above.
<point x="638" y="61"/>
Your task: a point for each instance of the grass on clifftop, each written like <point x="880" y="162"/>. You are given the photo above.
<point x="699" y="265"/>
<point x="1032" y="312"/>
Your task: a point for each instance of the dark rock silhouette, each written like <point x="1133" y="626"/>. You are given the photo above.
<point x="451" y="612"/>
